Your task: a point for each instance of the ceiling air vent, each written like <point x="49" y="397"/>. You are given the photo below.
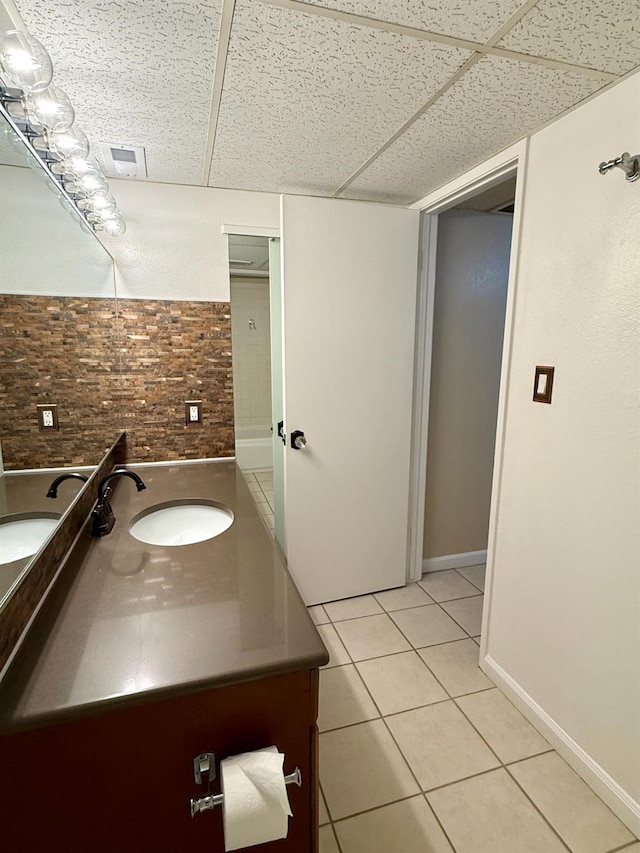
<point x="124" y="161"/>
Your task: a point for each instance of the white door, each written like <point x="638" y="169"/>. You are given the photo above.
<point x="349" y="284"/>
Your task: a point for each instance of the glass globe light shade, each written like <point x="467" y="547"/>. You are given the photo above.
<point x="25" y="62"/>
<point x="100" y="205"/>
<point x="83" y="166"/>
<point x="90" y="184"/>
<point x="51" y="108"/>
<point x="115" y="226"/>
<point x="70" y="143"/>
<point x="103" y="204"/>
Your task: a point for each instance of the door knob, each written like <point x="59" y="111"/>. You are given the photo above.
<point x="298" y="440"/>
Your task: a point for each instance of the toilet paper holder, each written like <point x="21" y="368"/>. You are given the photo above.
<point x="204" y="770"/>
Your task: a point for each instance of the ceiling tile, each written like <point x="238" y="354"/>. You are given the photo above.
<point x="307" y="99"/>
<point x="497" y="102"/>
<point x="602" y="34"/>
<point x="134" y="69"/>
<point x="476" y="21"/>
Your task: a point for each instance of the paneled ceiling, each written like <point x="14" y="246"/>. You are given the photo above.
<point x="382" y="100"/>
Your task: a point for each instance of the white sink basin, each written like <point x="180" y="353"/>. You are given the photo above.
<point x="23" y="534"/>
<point x="181" y="522"/>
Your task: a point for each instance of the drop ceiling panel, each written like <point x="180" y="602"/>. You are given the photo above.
<point x="308" y="99"/>
<point x="476" y="20"/>
<point x="602" y="34"/>
<point x="494" y="104"/>
<point x="135" y="70"/>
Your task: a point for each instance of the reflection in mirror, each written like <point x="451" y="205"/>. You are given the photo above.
<point x="57" y="348"/>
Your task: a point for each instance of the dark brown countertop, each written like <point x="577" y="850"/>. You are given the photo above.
<point x="127" y="622"/>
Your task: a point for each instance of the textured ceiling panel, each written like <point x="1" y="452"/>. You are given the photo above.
<point x="134" y="69"/>
<point x="602" y="34"/>
<point x="476" y="20"/>
<point x="308" y="99"/>
<point x="496" y="103"/>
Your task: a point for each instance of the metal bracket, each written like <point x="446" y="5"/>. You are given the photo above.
<point x="629" y="165"/>
<point x="204" y="765"/>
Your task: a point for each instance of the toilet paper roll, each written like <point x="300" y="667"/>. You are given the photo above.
<point x="255" y="807"/>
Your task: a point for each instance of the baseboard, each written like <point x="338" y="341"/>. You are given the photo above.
<point x="618" y="800"/>
<point x="453" y="561"/>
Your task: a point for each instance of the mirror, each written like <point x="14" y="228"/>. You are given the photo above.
<point x="57" y="349"/>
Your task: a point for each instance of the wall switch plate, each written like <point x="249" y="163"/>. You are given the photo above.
<point x="193" y="412"/>
<point x="47" y="416"/>
<point x="543" y="384"/>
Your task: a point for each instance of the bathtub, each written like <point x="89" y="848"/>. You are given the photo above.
<point x="254" y="447"/>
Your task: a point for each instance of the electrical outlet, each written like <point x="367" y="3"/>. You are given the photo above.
<point x="47" y="416"/>
<point x="193" y="412"/>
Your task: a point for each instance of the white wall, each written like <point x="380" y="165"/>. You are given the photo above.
<point x="174" y="247"/>
<point x="45" y="251"/>
<point x="472" y="272"/>
<point x="564" y="616"/>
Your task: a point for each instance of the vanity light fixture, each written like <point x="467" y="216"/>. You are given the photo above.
<point x="50" y="109"/>
<point x="25" y="62"/>
<point x="70" y="143"/>
<point x="42" y="116"/>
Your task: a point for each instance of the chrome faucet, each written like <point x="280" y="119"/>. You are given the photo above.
<point x="102" y="516"/>
<point x="53" y="488"/>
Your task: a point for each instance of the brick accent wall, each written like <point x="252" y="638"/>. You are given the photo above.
<point x="172" y="352"/>
<point x="56" y="349"/>
<point x="132" y="370"/>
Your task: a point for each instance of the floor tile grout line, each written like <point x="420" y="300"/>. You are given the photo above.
<point x="398" y="609"/>
<point x="501" y="763"/>
<point x="381" y="714"/>
<point x="383" y="717"/>
<point x="420" y="789"/>
<point x="459" y="598"/>
<point x="477" y="730"/>
<point x="389" y="613"/>
<point x="476" y="588"/>
<point x="468" y="633"/>
<point x="401" y="753"/>
<point x="458" y="572"/>
<point x="452" y="699"/>
<point x="406" y="760"/>
<point x="624" y="846"/>
<point x="385" y="805"/>
<point x="549" y="824"/>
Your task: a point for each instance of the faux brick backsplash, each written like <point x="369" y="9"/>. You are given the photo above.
<point x="56" y="349"/>
<point x="132" y="371"/>
<point x="172" y="352"/>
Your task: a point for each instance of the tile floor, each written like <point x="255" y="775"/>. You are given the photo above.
<point x="260" y="484"/>
<point x="419" y="752"/>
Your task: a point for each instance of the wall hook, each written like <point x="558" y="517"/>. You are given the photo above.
<point x="629" y="165"/>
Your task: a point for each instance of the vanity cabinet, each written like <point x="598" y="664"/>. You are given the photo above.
<point x="143" y="657"/>
<point x="121" y="781"/>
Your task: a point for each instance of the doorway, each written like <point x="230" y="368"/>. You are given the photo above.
<point x="467" y="204"/>
<point x="257" y="371"/>
<point x="472" y="274"/>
